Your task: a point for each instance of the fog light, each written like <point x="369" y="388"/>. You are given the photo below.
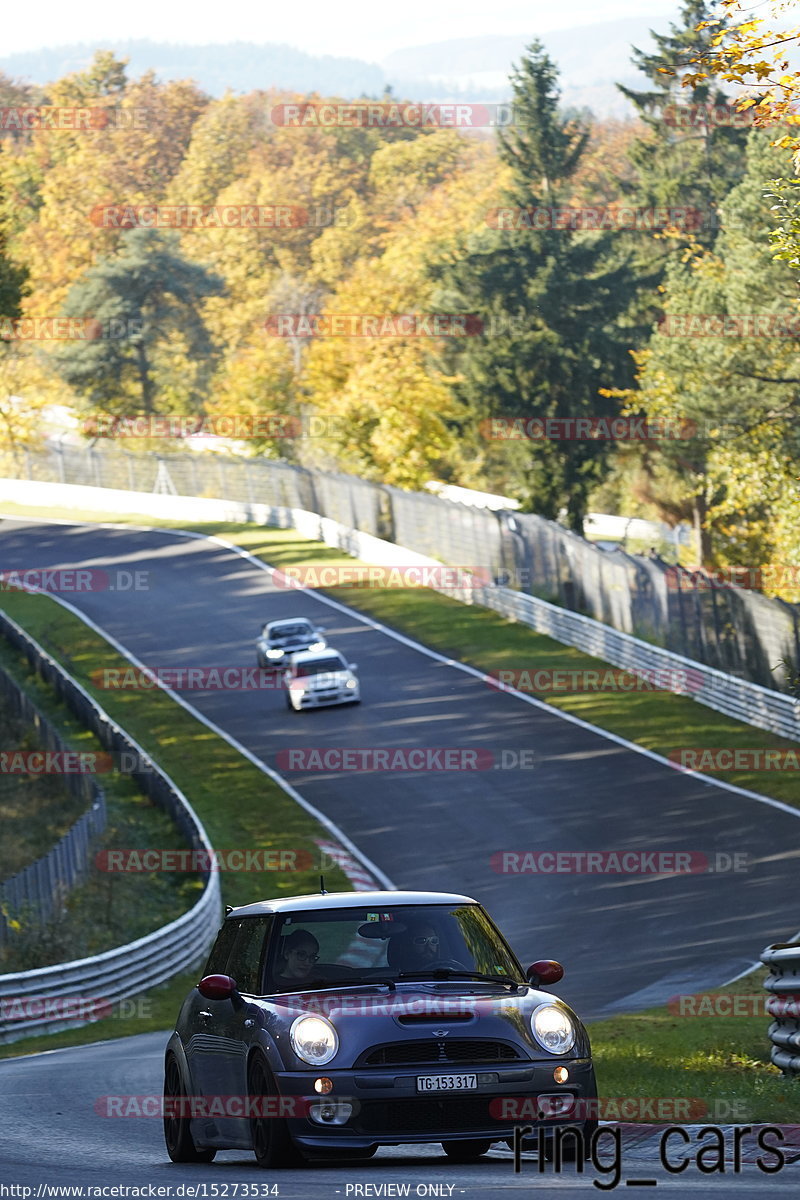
<point x="561" y="1074"/>
<point x="323" y="1086"/>
<point x="333" y="1113"/>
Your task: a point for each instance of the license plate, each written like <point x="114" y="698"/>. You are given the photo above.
<point x="446" y="1083"/>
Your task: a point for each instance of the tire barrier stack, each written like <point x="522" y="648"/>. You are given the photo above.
<point x="783" y="985"/>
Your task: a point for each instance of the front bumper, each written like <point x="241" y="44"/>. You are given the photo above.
<point x="322" y="700"/>
<point x="388" y="1110"/>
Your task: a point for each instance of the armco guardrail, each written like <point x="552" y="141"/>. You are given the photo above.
<point x="747" y="702"/>
<point x="42" y="886"/>
<point x="783" y="985"/>
<point x="763" y="707"/>
<point x="126" y="970"/>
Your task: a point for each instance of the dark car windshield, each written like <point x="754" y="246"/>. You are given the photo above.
<point x="351" y="946"/>
<point x="322" y="666"/>
<point x="288" y="633"/>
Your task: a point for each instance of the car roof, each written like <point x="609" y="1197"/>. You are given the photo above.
<point x="318" y="901"/>
<point x="307" y="656"/>
<point x="289" y="621"/>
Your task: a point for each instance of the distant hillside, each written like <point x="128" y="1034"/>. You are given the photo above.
<point x="592" y="58"/>
<point x="240" y="66"/>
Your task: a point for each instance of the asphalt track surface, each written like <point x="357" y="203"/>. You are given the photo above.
<point x="625" y="940"/>
<point x="51" y="1136"/>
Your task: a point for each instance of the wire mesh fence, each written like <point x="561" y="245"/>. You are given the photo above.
<point x="40" y="889"/>
<point x="738" y="631"/>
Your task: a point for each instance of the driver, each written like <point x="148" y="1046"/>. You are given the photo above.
<point x="417" y="948"/>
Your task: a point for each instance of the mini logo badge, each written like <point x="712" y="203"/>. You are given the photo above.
<point x="440" y="1033"/>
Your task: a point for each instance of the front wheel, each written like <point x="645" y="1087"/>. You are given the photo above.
<point x="272" y="1142"/>
<point x="464" y="1152"/>
<point x="177" y="1134"/>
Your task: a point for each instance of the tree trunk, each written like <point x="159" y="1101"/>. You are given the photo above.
<point x="144" y="378"/>
<point x="702" y="537"/>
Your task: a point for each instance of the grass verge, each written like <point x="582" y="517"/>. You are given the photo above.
<point x="710" y="1064"/>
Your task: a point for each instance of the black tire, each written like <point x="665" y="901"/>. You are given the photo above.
<point x="177" y="1135"/>
<point x="272" y="1142"/>
<point x="569" y="1146"/>
<point x="464" y="1152"/>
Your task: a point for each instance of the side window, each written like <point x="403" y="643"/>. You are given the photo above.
<point x="245" y="960"/>
<point x="220" y="951"/>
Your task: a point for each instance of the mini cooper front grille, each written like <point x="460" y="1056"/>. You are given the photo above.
<point x="434" y="1050"/>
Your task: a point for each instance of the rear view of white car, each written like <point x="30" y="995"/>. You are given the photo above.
<point x="280" y="639"/>
<point x="320" y="677"/>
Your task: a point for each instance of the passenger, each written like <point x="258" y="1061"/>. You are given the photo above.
<point x="300" y="952"/>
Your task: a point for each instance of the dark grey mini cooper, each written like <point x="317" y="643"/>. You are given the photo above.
<point x="330" y="1025"/>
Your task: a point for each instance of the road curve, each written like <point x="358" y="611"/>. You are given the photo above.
<point x="626" y="941"/>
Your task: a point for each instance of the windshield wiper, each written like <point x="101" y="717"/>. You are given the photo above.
<point x="448" y="973"/>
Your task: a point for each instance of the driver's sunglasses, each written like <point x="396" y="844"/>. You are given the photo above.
<point x="424" y="941"/>
<point x="305" y="955"/>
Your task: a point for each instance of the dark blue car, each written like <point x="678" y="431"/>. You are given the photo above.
<point x="330" y="1025"/>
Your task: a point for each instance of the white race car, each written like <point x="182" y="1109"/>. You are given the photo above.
<point x="319" y="677"/>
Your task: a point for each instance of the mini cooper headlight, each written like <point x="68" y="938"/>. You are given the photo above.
<point x="553" y="1029"/>
<point x="274" y="654"/>
<point x="314" y="1040"/>
<point x="351" y="683"/>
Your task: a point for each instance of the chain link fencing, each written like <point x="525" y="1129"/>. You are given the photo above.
<point x="42" y="887"/>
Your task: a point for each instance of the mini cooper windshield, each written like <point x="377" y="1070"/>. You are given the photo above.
<point x="387" y="945"/>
